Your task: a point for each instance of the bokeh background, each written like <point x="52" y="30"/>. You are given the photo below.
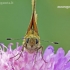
<point x="53" y="23"/>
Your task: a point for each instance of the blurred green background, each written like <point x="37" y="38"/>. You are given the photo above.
<point x="53" y="23"/>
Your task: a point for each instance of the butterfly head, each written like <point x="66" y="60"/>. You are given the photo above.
<point x="31" y="41"/>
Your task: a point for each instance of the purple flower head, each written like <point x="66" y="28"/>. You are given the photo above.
<point x="16" y="60"/>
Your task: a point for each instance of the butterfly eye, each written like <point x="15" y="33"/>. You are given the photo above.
<point x="27" y="40"/>
<point x="36" y="41"/>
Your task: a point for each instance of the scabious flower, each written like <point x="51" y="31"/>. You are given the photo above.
<point x="13" y="59"/>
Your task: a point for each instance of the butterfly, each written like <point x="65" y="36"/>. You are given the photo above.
<point x="31" y="40"/>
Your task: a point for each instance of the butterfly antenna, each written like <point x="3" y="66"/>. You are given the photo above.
<point x="50" y="42"/>
<point x="14" y="39"/>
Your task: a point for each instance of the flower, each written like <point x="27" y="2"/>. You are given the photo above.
<point x="22" y="60"/>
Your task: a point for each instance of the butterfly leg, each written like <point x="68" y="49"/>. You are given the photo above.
<point x="42" y="55"/>
<point x="41" y="49"/>
<point x="37" y="50"/>
<point x="18" y="54"/>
